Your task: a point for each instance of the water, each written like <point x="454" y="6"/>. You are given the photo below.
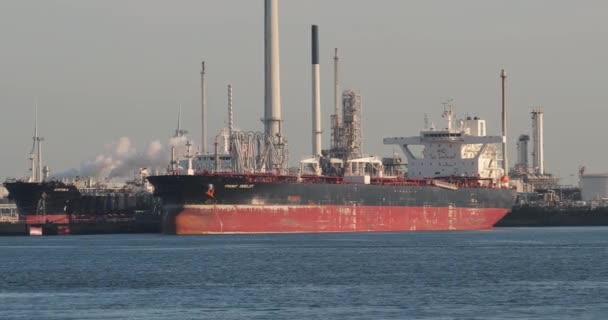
<point x="527" y="273"/>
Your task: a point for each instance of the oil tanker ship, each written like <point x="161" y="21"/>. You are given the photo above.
<point x="453" y="184"/>
<point x="356" y="195"/>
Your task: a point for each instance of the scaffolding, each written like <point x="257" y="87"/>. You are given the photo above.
<point x="346" y="142"/>
<point x="250" y="152"/>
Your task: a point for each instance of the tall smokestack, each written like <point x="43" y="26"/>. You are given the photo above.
<point x="505" y="162"/>
<point x="538" y="157"/>
<point x="272" y="97"/>
<point x="203" y="111"/>
<point x="336" y="87"/>
<point x="316" y="94"/>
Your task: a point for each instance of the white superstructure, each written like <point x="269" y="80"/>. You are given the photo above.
<point x="462" y="149"/>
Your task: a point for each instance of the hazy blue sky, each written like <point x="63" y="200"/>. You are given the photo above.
<point x="101" y="70"/>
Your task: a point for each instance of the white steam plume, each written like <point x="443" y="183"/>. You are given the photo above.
<point x="121" y="159"/>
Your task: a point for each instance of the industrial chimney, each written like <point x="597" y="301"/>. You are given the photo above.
<point x="316" y="94"/>
<point x="272" y="96"/>
<point x="505" y="161"/>
<point x="203" y="112"/>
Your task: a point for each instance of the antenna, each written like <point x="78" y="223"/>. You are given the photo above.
<point x="36" y="121"/>
<point x="448" y="112"/>
<point x="203" y="111"/>
<point x="179" y="120"/>
<point x="179" y="132"/>
<point x="188" y="156"/>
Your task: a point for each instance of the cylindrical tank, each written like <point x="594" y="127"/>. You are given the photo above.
<point x="3" y="192"/>
<point x="594" y="186"/>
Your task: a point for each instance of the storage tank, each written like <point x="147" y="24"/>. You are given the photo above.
<point x="594" y="186"/>
<point x="3" y="192"/>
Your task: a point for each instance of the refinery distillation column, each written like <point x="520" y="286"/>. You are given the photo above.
<point x="538" y="157"/>
<point x="336" y="89"/>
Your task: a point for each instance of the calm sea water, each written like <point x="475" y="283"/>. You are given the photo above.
<point x="527" y="273"/>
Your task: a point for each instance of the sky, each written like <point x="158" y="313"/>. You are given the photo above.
<point x="100" y="71"/>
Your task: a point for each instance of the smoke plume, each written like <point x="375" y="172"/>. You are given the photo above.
<point x="121" y="159"/>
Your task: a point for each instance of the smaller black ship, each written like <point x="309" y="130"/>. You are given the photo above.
<point x="556" y="207"/>
<point x="77" y="207"/>
<point x="81" y="205"/>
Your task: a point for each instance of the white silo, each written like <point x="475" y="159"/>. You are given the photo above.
<point x="3" y="192"/>
<point x="594" y="186"/>
<point x="538" y="145"/>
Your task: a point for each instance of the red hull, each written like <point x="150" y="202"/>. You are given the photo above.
<point x="48" y="218"/>
<point x="204" y="219"/>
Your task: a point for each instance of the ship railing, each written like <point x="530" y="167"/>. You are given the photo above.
<point x="444" y="182"/>
<point x="271" y="177"/>
<point x="12" y="217"/>
<point x="450" y="182"/>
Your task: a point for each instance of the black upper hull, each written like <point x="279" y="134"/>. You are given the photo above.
<point x="219" y="189"/>
<point x="533" y="216"/>
<point x="41" y="197"/>
<point x="91" y="213"/>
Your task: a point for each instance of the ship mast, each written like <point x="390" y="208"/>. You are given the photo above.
<point x="36" y="153"/>
<point x="179" y="132"/>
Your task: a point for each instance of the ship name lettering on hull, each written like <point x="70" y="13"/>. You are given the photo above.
<point x="238" y="186"/>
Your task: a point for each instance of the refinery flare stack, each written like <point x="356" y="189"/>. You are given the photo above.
<point x="455" y="184"/>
